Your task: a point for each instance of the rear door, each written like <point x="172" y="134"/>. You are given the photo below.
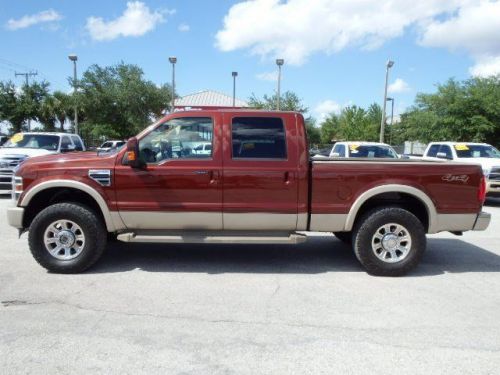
<point x="260" y="185"/>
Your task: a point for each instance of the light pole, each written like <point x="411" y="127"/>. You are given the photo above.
<point x="280" y="63"/>
<point x="74" y="58"/>
<point x="389" y="65"/>
<point x="173" y="60"/>
<point x="234" y="74"/>
<point x="392" y="118"/>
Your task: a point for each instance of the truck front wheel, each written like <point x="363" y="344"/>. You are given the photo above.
<point x="67" y="238"/>
<point x="389" y="241"/>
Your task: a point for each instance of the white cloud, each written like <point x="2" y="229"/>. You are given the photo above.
<point x="474" y="29"/>
<point x="183" y="27"/>
<point x="268" y="76"/>
<point x="398" y="86"/>
<point x="326" y="107"/>
<point x="486" y="66"/>
<point x="49" y="15"/>
<point x="136" y="20"/>
<point x="295" y="29"/>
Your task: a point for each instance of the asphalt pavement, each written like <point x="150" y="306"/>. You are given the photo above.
<point x="241" y="309"/>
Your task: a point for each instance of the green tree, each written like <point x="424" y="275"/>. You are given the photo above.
<point x="458" y="111"/>
<point x="313" y="132"/>
<point x="330" y="128"/>
<point x="11" y="108"/>
<point x="63" y="106"/>
<point x="289" y="101"/>
<point x="118" y="102"/>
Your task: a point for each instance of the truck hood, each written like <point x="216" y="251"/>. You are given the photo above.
<point x="29" y="152"/>
<point x="486" y="163"/>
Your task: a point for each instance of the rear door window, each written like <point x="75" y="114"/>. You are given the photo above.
<point x="258" y="138"/>
<point x="77" y="142"/>
<point x="433" y="150"/>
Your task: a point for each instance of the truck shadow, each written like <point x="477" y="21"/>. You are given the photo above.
<point x="318" y="255"/>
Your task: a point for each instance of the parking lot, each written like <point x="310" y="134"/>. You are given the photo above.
<point x="221" y="309"/>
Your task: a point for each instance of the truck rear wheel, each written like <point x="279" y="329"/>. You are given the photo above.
<point x="67" y="238"/>
<point x="389" y="241"/>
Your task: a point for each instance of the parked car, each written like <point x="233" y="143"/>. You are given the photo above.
<point x="362" y="150"/>
<point x="203" y="149"/>
<point x="475" y="153"/>
<point x="258" y="185"/>
<point x="109" y="145"/>
<point x="26" y="145"/>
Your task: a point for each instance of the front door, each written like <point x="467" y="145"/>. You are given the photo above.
<point x="180" y="187"/>
<point x="260" y="172"/>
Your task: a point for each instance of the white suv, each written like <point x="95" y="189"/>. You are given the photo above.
<point x="26" y="145"/>
<point x="466" y="152"/>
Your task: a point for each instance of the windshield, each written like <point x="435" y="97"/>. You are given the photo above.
<point x="40" y="141"/>
<point x="476" y="151"/>
<point x="371" y="151"/>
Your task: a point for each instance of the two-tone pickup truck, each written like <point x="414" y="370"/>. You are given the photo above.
<point x="256" y="184"/>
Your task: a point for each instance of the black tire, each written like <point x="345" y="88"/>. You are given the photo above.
<point x="94" y="232"/>
<point x="345" y="237"/>
<point x="365" y="232"/>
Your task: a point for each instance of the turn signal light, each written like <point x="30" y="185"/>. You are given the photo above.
<point x="131" y="155"/>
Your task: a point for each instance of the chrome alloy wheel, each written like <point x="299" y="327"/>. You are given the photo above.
<point x="64" y="239"/>
<point x="391" y="243"/>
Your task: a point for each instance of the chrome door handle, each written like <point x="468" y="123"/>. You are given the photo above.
<point x="201" y="172"/>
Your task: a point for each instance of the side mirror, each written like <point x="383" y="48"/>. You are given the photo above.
<point x="442" y="155"/>
<point x="133" y="159"/>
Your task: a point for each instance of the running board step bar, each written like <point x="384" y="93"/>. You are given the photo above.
<point x="159" y="237"/>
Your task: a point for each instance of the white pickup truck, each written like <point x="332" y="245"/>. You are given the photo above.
<point x="27" y="145"/>
<point x="474" y="153"/>
<point x="363" y="150"/>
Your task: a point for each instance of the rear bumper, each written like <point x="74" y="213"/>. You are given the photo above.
<point x="482" y="221"/>
<point x="15" y="217"/>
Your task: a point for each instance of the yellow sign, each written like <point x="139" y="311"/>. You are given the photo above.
<point x="354" y="146"/>
<point x="461" y="147"/>
<point x="16" y="138"/>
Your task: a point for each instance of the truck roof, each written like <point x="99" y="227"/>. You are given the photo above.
<point x="47" y="133"/>
<point x="458" y="143"/>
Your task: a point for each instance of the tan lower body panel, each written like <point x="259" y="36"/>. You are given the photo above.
<point x="328" y="222"/>
<point x="172" y="220"/>
<point x="259" y="221"/>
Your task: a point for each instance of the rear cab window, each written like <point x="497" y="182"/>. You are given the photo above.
<point x="258" y="138"/>
<point x="433" y="150"/>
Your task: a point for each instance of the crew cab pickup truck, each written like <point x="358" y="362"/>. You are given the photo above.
<point x="256" y="185"/>
<point x="487" y="156"/>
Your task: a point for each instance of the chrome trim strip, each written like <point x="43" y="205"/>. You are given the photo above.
<point x="76" y="185"/>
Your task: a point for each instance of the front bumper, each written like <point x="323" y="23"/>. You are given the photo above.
<point x="15" y="217"/>
<point x="482" y="221"/>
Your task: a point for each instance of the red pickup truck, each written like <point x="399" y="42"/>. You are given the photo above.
<point x="237" y="176"/>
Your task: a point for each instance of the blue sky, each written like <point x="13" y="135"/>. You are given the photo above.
<point x="335" y="50"/>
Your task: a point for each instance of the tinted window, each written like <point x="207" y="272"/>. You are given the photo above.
<point x="177" y="139"/>
<point x="65" y="142"/>
<point x="447" y="150"/>
<point x="341" y="150"/>
<point x="433" y="151"/>
<point x="107" y="144"/>
<point x="258" y="137"/>
<point x="476" y="151"/>
<point x="371" y="151"/>
<point x="78" y="143"/>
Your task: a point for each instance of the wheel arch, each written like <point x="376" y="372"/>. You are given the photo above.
<point x="371" y="196"/>
<point x="78" y="191"/>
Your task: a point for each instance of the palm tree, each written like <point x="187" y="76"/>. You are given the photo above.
<point x="62" y="107"/>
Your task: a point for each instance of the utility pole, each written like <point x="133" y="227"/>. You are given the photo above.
<point x="234" y="74"/>
<point x="280" y="63"/>
<point x="26" y="76"/>
<point x="388" y="65"/>
<point x="173" y="60"/>
<point x="392" y="118"/>
<point x="74" y="58"/>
